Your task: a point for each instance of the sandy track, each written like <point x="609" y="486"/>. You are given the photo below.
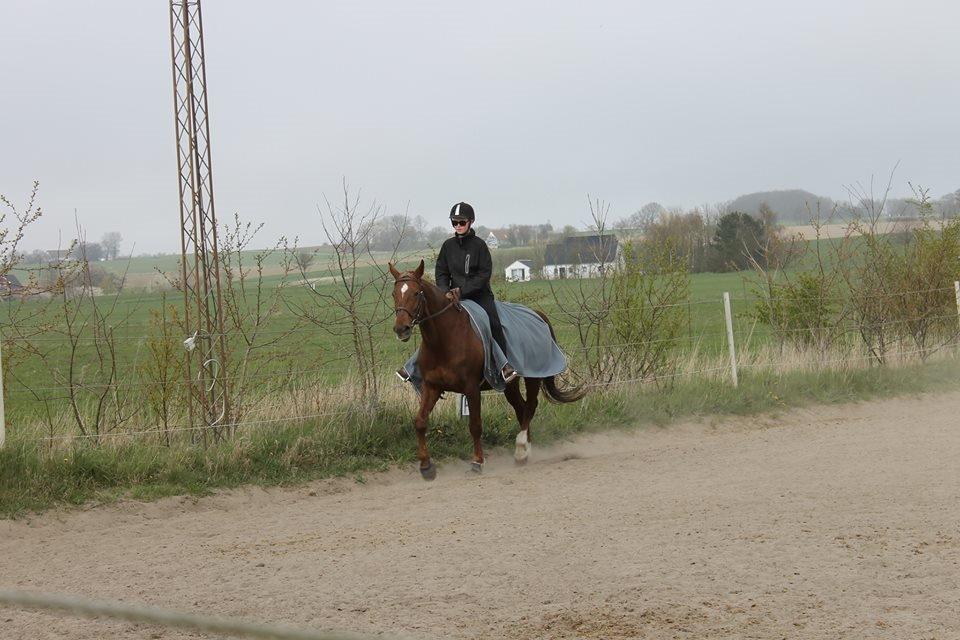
<point x="831" y="522"/>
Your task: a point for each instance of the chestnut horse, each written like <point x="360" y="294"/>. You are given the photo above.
<point x="452" y="359"/>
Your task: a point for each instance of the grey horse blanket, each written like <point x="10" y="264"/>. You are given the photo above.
<point x="530" y="348"/>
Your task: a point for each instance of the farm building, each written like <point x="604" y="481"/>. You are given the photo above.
<point x="519" y="271"/>
<point x="492" y="241"/>
<point x="10" y="285"/>
<point x="581" y="256"/>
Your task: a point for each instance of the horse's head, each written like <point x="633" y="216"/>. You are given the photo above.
<point x="408" y="300"/>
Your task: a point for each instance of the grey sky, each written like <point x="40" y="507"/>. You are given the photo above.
<point x="521" y="108"/>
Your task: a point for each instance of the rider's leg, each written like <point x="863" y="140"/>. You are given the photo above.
<point x="496" y="329"/>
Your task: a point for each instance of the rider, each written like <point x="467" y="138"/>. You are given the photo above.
<point x="463" y="271"/>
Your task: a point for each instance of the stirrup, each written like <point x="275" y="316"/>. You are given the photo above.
<point x="402" y="374"/>
<point x="508" y="377"/>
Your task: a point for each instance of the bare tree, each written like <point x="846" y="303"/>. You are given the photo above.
<point x="250" y="307"/>
<point x="12" y="234"/>
<point x="354" y="304"/>
<point x="587" y="302"/>
<point x="73" y="336"/>
<point x="304" y="258"/>
<point x="161" y="371"/>
<point x="111" y="244"/>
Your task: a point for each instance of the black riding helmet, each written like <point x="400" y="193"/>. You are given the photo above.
<point x="462" y="211"/>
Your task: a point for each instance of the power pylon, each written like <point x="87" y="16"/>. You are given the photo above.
<point x="206" y="366"/>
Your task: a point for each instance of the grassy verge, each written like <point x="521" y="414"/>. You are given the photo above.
<point x="33" y="479"/>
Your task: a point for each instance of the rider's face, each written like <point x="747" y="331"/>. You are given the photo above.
<point x="462" y="228"/>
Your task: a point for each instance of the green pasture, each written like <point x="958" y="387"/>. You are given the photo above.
<point x="310" y="351"/>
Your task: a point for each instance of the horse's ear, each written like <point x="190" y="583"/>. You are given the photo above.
<point x="393" y="271"/>
<point x="419" y="271"/>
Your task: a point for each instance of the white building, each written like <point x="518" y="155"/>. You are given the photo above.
<point x="519" y="271"/>
<point x="581" y="257"/>
<point x="492" y="241"/>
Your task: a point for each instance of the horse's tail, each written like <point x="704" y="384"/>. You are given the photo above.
<point x="550" y="388"/>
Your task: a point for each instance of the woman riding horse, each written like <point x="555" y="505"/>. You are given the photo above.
<point x="451" y="356"/>
<point x="463" y="272"/>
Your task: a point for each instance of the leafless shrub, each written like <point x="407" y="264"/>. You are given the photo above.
<point x="161" y="371"/>
<point x="73" y="336"/>
<point x="350" y="302"/>
<point x="250" y="307"/>
<point x="584" y="299"/>
<point x="12" y="234"/>
<point x="628" y="312"/>
<point x="804" y="308"/>
<point x="648" y="315"/>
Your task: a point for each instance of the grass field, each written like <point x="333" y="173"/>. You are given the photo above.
<point x="133" y="324"/>
<point x="303" y="414"/>
<point x="33" y="388"/>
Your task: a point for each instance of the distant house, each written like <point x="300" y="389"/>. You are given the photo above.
<point x="519" y="271"/>
<point x="10" y="285"/>
<point x="581" y="256"/>
<point x="492" y="241"/>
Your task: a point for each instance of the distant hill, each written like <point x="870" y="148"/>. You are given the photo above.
<point x="790" y="205"/>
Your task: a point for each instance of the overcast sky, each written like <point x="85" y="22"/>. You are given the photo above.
<point x="521" y="108"/>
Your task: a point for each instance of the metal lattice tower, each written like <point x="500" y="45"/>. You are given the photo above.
<point x="206" y="370"/>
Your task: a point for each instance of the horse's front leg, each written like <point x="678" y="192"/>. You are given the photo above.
<point x="428" y="398"/>
<point x="476" y="429"/>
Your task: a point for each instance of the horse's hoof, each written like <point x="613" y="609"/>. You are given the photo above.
<point x="521" y="452"/>
<point x="429" y="472"/>
<point x="517" y="460"/>
<point x="476" y="467"/>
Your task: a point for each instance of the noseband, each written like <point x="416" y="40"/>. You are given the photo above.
<point x="416" y="316"/>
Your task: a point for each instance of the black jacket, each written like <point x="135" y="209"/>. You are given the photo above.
<point x="465" y="262"/>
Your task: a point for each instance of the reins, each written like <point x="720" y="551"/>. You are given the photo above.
<point x="418" y="317"/>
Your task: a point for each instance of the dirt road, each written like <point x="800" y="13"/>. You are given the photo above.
<point x="831" y="522"/>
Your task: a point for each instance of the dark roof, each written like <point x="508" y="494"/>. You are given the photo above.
<point x="582" y="250"/>
<point x="529" y="263"/>
<point x="11" y="281"/>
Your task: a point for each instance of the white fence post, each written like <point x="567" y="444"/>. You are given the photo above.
<point x="733" y="350"/>
<point x="956" y="291"/>
<point x="3" y="416"/>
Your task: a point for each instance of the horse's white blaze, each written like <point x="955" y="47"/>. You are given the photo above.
<point x="522" y="450"/>
<point x="404" y="288"/>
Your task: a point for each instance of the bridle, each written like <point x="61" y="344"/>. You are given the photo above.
<point x="416" y="316"/>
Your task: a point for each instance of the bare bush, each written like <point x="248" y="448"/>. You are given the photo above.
<point x="804" y="308"/>
<point x="352" y="303"/>
<point x="73" y="335"/>
<point x="251" y="306"/>
<point x="921" y="274"/>
<point x="585" y="301"/>
<point x="648" y="315"/>
<point x="11" y="236"/>
<point x="161" y="372"/>
<point x="628" y="313"/>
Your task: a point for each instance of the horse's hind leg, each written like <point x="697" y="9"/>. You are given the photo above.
<point x="512" y="392"/>
<point x="428" y="398"/>
<point x="519" y="406"/>
<point x="522" y="452"/>
<point x="476" y="429"/>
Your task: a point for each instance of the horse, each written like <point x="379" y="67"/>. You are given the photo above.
<point x="452" y="359"/>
